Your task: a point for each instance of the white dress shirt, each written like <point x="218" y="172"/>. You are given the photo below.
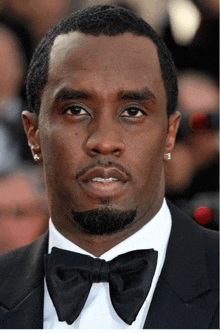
<point x="98" y="312"/>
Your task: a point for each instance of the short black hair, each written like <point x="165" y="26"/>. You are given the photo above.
<point x="98" y="20"/>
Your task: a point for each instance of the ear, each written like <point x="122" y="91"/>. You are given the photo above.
<point x="30" y="122"/>
<point x="174" y="121"/>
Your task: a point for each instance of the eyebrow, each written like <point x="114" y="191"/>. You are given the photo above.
<point x="65" y="94"/>
<point x="139" y="95"/>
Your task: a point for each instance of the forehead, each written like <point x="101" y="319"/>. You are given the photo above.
<point x="125" y="59"/>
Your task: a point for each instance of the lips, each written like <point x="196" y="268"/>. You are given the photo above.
<point x="104" y="182"/>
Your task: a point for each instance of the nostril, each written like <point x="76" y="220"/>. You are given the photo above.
<point x="95" y="151"/>
<point x="117" y="152"/>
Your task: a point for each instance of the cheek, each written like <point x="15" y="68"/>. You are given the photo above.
<point x="61" y="148"/>
<point x="147" y="165"/>
<point x="147" y="151"/>
<point x="60" y="158"/>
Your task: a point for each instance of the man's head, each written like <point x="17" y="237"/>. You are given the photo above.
<point x="97" y="21"/>
<point x="102" y="131"/>
<point x="23" y="207"/>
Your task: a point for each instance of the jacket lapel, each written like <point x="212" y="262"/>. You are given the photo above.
<point x="24" y="308"/>
<point x="177" y="301"/>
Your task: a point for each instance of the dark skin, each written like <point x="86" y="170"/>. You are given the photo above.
<point x="103" y="116"/>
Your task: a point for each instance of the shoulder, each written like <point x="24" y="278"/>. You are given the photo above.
<point x="13" y="257"/>
<point x="21" y="272"/>
<point x="16" y="260"/>
<point x="197" y="241"/>
<point x="178" y="215"/>
<point x="210" y="237"/>
<point x="211" y="244"/>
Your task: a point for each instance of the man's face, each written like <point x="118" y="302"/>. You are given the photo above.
<point x="23" y="212"/>
<point x="103" y="128"/>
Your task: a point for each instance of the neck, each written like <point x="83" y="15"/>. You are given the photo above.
<point x="99" y="244"/>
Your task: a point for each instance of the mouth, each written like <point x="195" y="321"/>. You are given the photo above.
<point x="104" y="182"/>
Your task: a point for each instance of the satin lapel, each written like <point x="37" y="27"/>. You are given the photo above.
<point x="22" y="288"/>
<point x="177" y="301"/>
<point x="168" y="311"/>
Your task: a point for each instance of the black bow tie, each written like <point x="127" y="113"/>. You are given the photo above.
<point x="70" y="275"/>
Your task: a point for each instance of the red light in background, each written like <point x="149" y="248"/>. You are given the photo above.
<point x="203" y="215"/>
<point x="198" y="121"/>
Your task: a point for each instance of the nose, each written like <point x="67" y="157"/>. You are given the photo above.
<point x="105" y="138"/>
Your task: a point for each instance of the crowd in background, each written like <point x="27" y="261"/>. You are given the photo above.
<point x="190" y="30"/>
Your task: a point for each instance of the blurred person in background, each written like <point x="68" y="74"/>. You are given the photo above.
<point x="11" y="77"/>
<point x="192" y="174"/>
<point x="14" y="57"/>
<point x="38" y="15"/>
<point x="23" y="207"/>
<point x="24" y="38"/>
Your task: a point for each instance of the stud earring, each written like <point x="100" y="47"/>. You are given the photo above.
<point x="36" y="158"/>
<point x="168" y="155"/>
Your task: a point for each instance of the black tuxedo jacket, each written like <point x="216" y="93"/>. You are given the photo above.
<point x="186" y="295"/>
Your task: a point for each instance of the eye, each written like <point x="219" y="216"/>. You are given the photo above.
<point x="132" y="112"/>
<point x="76" y="111"/>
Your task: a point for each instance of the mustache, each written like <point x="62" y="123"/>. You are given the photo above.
<point x="103" y="164"/>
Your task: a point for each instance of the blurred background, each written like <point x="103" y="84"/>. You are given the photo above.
<point x="190" y="29"/>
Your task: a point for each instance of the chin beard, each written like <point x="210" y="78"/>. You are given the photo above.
<point x="103" y="221"/>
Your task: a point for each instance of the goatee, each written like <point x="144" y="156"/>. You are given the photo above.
<point x="103" y="221"/>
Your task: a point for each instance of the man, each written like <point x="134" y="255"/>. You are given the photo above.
<point x="102" y="93"/>
<point x="23" y="207"/>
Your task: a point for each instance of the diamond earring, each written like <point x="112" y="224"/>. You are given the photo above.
<point x="36" y="158"/>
